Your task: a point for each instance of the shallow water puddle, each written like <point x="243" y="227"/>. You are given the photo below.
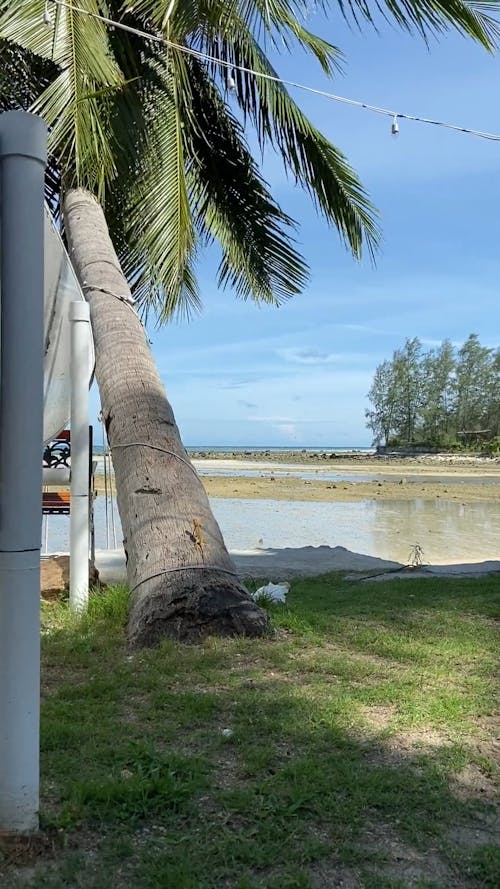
<point x="447" y="531"/>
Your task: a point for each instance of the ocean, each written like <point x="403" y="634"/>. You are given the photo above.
<point x="241" y="449"/>
<point x="262" y="449"/>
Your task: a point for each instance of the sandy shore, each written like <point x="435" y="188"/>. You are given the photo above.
<point x="307" y="561"/>
<point x="346" y="492"/>
<point x="462" y="479"/>
<point x="465" y="479"/>
<point x="335" y="460"/>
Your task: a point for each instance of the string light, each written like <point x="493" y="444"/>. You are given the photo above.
<point x="386" y="112"/>
<point x="47" y="18"/>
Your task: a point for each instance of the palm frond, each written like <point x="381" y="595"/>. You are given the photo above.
<point x="278" y="19"/>
<point x="180" y="16"/>
<point x="317" y="165"/>
<point x="23" y="77"/>
<point x="330" y="57"/>
<point x="70" y="34"/>
<point x="159" y="232"/>
<point x="77" y="102"/>
<point x="477" y="19"/>
<point x="148" y="130"/>
<point x="427" y="17"/>
<point x="232" y="203"/>
<point x="281" y="20"/>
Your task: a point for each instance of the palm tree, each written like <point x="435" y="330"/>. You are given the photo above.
<point x="148" y="163"/>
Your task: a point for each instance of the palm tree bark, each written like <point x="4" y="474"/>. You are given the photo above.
<point x="182" y="580"/>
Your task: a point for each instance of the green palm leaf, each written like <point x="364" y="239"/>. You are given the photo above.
<point x="473" y="18"/>
<point x="278" y="19"/>
<point x="23" y="77"/>
<point x="77" y="102"/>
<point x="428" y="16"/>
<point x="314" y="161"/>
<point x="160" y="231"/>
<point x="232" y="204"/>
<point x="150" y="130"/>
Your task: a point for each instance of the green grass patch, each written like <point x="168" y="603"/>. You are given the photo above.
<point x="484" y="865"/>
<point x="355" y="746"/>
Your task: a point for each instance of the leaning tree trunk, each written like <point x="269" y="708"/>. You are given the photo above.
<point x="183" y="583"/>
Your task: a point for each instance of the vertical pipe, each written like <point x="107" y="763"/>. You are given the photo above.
<point x="91" y="493"/>
<point x="79" y="517"/>
<point x="23" y="152"/>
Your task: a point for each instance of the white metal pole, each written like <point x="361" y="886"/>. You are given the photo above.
<point x="79" y="516"/>
<point x="23" y="149"/>
<point x="46" y="534"/>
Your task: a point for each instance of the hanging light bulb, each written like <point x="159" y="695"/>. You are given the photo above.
<point x="395" y="126"/>
<point x="47" y="18"/>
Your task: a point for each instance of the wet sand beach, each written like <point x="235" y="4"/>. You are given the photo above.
<point x="291" y="476"/>
<point x="275" y="488"/>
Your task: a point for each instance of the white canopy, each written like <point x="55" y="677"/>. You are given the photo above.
<point x="61" y="288"/>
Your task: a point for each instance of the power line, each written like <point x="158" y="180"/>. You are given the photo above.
<point x="386" y="112"/>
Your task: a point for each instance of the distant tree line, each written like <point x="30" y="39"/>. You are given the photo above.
<point x="444" y="397"/>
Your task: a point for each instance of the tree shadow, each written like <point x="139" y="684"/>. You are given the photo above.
<point x="288" y="762"/>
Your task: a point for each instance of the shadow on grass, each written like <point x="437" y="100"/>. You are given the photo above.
<point x="277" y="763"/>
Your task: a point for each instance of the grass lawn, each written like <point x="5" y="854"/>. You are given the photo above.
<point x="358" y="747"/>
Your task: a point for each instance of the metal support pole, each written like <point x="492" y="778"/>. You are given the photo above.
<point x="23" y="152"/>
<point x="79" y="316"/>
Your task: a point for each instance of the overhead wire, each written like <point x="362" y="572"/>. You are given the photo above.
<point x="223" y="63"/>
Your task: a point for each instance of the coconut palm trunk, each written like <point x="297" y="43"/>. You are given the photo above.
<point x="182" y="580"/>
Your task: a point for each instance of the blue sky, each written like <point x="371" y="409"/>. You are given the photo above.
<point x="240" y="374"/>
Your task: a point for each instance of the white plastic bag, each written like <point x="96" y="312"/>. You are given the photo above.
<point x="274" y="592"/>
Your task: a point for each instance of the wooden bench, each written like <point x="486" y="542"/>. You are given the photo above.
<point x="56" y="502"/>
